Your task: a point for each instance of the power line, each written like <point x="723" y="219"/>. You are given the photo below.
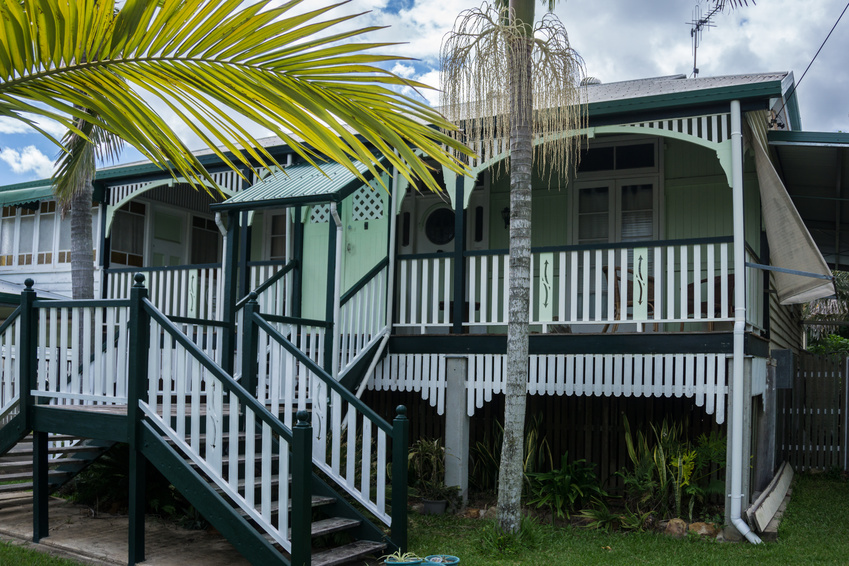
<point x="795" y="86"/>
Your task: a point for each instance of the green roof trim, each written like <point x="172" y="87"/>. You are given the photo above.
<point x="780" y="137"/>
<point x="689" y="98"/>
<point x="23" y="193"/>
<point x="301" y="184"/>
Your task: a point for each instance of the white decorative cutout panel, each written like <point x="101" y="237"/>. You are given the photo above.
<point x="320" y="214"/>
<point x="367" y="204"/>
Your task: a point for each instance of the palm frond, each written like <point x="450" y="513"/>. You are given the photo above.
<point x="216" y="63"/>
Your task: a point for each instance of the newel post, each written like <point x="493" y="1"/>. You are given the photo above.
<point x="301" y="468"/>
<point x="139" y="334"/>
<point x="400" y="447"/>
<point x="250" y="336"/>
<point x="28" y="352"/>
<point x="29" y="381"/>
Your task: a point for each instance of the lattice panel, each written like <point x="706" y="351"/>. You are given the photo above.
<point x="320" y="214"/>
<point x="367" y="204"/>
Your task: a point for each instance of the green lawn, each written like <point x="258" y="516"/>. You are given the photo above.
<point x="815" y="530"/>
<point x="14" y="555"/>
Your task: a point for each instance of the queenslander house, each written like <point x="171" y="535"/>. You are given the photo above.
<point x="268" y="331"/>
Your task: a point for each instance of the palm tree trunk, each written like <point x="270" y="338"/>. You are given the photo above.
<point x="521" y="162"/>
<point x="82" y="261"/>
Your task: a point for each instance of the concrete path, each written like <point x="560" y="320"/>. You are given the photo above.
<point x="101" y="540"/>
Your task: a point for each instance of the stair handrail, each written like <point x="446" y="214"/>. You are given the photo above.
<point x="268" y="283"/>
<point x="301" y="520"/>
<point x="398" y="431"/>
<point x="259" y="320"/>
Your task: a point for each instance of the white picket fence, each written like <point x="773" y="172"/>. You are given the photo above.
<point x="702" y="377"/>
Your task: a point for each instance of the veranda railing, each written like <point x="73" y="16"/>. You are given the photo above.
<point x="633" y="286"/>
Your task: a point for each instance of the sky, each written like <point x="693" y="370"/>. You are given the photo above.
<point x="618" y="40"/>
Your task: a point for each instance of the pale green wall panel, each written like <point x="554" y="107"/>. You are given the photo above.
<point x="365" y="241"/>
<point x="315" y="269"/>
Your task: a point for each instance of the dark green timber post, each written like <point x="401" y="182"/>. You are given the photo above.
<point x="29" y="381"/>
<point x="330" y="298"/>
<point x="298" y="257"/>
<point x="231" y="272"/>
<point x="250" y="335"/>
<point x="400" y="447"/>
<point x="139" y="327"/>
<point x="302" y="490"/>
<point x="459" y="311"/>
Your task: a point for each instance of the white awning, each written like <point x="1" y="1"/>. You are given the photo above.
<point x="790" y="244"/>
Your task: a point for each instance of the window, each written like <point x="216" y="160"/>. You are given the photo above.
<point x="617" y="211"/>
<point x="617" y="193"/>
<point x="205" y="241"/>
<point x="439" y="226"/>
<point x="277" y="236"/>
<point x="46" y="230"/>
<point x="7" y="236"/>
<point x="128" y="235"/>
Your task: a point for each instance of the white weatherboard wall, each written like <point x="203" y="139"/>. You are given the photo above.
<point x="702" y="377"/>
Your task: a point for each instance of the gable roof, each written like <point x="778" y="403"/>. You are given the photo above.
<point x="300" y="184"/>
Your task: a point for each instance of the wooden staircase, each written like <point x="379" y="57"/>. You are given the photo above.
<point x="340" y="532"/>
<point x="68" y="456"/>
<point x="276" y="486"/>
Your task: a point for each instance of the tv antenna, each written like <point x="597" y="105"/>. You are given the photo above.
<point x="699" y="23"/>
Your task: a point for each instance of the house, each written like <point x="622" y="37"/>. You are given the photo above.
<point x="666" y="269"/>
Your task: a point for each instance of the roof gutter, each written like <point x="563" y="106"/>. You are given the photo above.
<point x="738" y="360"/>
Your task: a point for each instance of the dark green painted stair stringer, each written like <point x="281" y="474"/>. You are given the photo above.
<point x="212" y="505"/>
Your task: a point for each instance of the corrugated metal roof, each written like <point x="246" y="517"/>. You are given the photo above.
<point x="299" y="184"/>
<point x="673" y="84"/>
<point x="14" y="194"/>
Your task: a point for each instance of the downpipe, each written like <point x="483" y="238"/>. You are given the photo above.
<point x="738" y="364"/>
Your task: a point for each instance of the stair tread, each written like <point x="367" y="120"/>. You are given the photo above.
<point x="346" y="553"/>
<point x="317" y="501"/>
<point x="21" y="476"/>
<point x="330" y="525"/>
<point x="58" y="450"/>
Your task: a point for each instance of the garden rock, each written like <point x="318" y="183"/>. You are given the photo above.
<point x="491" y="513"/>
<point x="704" y="529"/>
<point x="676" y="528"/>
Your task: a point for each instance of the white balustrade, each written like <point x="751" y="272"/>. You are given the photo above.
<point x="349" y="446"/>
<point x="424" y="292"/>
<point x="601" y="287"/>
<point x="10" y="383"/>
<point x="192" y="292"/>
<point x="362" y="321"/>
<point x="82" y="354"/>
<point x="250" y="465"/>
<point x="276" y="298"/>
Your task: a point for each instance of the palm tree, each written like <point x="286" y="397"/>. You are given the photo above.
<point x="214" y="64"/>
<point x="506" y="78"/>
<point x="72" y="185"/>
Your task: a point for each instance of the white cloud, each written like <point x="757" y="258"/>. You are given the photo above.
<point x="27" y="160"/>
<point x="12" y="126"/>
